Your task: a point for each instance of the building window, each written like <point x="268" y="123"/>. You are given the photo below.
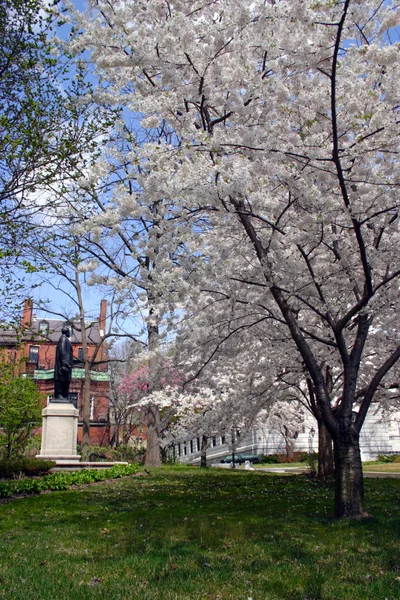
<point x="43" y="327"/>
<point x="80" y="354"/>
<point x="222" y="439"/>
<point x="214" y="441"/>
<point x="198" y="445"/>
<point x="73" y="396"/>
<point x="34" y="354"/>
<point x="179" y="450"/>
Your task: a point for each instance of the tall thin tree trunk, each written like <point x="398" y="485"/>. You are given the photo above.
<point x="153" y="455"/>
<point x="86" y="413"/>
<point x="326" y="466"/>
<point x="349" y="484"/>
<point x="289" y="449"/>
<point x="203" y="455"/>
<point x="86" y="382"/>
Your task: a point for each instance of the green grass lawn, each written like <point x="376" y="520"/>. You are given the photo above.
<point x="186" y="534"/>
<point x="378" y="467"/>
<point x="297" y="465"/>
<point x="373" y="466"/>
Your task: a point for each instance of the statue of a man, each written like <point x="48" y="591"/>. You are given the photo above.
<point x="63" y="366"/>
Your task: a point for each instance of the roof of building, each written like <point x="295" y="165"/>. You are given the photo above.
<point x="49" y="330"/>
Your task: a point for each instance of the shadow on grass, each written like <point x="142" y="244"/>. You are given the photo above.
<point x="186" y="534"/>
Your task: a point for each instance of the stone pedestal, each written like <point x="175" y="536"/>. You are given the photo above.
<point x="59" y="433"/>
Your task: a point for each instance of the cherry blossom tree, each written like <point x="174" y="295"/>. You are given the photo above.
<point x="285" y="120"/>
<point x="125" y="245"/>
<point x="125" y="420"/>
<point x="148" y="396"/>
<point x="230" y="338"/>
<point x="285" y="418"/>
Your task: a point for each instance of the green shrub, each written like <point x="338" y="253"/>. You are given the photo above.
<point x="282" y="458"/>
<point x="388" y="458"/>
<point x="5" y="490"/>
<point x="30" y="467"/>
<point x="132" y="454"/>
<point x="312" y="461"/>
<point x="301" y="457"/>
<point x="27" y="486"/>
<point x="20" y="412"/>
<point x="33" y="446"/>
<point x="106" y="453"/>
<point x="64" y="479"/>
<point x="102" y="453"/>
<point x="270" y="459"/>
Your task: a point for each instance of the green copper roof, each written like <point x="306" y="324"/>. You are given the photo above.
<point x="76" y="374"/>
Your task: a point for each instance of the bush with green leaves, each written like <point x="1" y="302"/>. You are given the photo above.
<point x="20" y="412"/>
<point x="312" y="462"/>
<point x="122" y="452"/>
<point x="388" y="458"/>
<point x="29" y="467"/>
<point x="103" y="453"/>
<point x="33" y="445"/>
<point x="62" y="480"/>
<point x="270" y="459"/>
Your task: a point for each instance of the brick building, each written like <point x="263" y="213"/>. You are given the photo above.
<point x="33" y="349"/>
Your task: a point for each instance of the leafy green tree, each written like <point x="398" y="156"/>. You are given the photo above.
<point x="19" y="414"/>
<point x="48" y="126"/>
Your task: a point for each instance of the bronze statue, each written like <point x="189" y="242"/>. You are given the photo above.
<point x="63" y="367"/>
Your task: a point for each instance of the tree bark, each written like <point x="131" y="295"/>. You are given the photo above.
<point x="203" y="455"/>
<point x="87" y="365"/>
<point x="349" y="488"/>
<point x="349" y="483"/>
<point x="289" y="449"/>
<point x="86" y="413"/>
<point x="153" y="454"/>
<point x="326" y="466"/>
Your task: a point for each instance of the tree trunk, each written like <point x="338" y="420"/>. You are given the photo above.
<point x="86" y="415"/>
<point x="153" y="454"/>
<point x="326" y="466"/>
<point x="203" y="455"/>
<point x="87" y="366"/>
<point x="349" y="484"/>
<point x="152" y="457"/>
<point x="289" y="444"/>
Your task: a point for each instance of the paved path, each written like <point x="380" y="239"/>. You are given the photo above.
<point x="380" y="474"/>
<point x="369" y="474"/>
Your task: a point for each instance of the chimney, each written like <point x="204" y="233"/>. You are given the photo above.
<point x="102" y="318"/>
<point x="27" y="313"/>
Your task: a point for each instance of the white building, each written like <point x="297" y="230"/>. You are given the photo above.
<point x="379" y="435"/>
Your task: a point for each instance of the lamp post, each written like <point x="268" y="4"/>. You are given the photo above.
<point x="233" y="447"/>
<point x="311" y="440"/>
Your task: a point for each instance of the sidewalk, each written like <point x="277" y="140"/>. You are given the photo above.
<point x="379" y="474"/>
<point x="368" y="474"/>
<point x="298" y="470"/>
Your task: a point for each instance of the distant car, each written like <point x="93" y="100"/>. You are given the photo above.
<point x="241" y="458"/>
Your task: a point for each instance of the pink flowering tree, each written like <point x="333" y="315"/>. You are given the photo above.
<point x="140" y="387"/>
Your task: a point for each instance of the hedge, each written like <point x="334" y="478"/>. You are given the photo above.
<point x="30" y="467"/>
<point x="64" y="480"/>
